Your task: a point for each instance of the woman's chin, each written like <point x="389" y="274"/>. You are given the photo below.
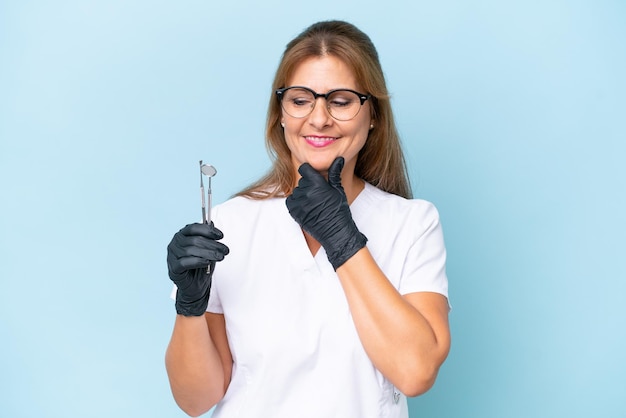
<point x="319" y="164"/>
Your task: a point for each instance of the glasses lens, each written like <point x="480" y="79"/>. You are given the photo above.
<point x="343" y="104"/>
<point x="298" y="103"/>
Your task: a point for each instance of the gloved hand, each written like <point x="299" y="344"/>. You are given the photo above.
<point x="321" y="208"/>
<point x="191" y="257"/>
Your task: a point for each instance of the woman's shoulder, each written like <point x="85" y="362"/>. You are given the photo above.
<point x="380" y="199"/>
<point x="235" y="202"/>
<point x="240" y="205"/>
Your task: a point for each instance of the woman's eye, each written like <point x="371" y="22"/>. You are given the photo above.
<point x="340" y="102"/>
<point x="300" y="102"/>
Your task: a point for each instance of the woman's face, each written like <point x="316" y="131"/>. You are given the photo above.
<point x="318" y="138"/>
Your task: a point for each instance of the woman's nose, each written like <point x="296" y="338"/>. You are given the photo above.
<point x="320" y="117"/>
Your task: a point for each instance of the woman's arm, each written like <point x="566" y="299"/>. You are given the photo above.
<point x="406" y="337"/>
<point x="198" y="362"/>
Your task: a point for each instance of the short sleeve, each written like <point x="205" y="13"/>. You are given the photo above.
<point x="424" y="268"/>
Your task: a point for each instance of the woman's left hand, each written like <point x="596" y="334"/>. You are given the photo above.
<point x="321" y="208"/>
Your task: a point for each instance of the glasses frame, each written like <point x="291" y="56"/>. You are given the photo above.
<point x="362" y="98"/>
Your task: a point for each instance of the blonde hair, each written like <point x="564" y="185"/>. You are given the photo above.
<point x="381" y="160"/>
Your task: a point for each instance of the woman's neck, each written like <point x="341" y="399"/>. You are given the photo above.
<point x="352" y="186"/>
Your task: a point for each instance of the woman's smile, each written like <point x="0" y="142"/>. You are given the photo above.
<point x="319" y="141"/>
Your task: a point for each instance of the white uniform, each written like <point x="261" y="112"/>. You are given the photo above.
<point x="295" y="348"/>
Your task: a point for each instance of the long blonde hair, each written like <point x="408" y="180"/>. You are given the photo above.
<point x="381" y="160"/>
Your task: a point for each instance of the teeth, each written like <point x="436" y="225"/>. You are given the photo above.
<point x="317" y="139"/>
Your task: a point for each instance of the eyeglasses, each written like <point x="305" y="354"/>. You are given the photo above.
<point x="342" y="104"/>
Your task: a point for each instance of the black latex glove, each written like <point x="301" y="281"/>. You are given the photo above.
<point x="194" y="250"/>
<point x="321" y="208"/>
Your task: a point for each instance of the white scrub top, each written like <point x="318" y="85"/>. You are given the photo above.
<point x="295" y="348"/>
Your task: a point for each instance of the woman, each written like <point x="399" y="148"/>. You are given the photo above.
<point x="329" y="297"/>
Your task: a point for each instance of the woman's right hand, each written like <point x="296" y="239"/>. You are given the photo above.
<point x="191" y="258"/>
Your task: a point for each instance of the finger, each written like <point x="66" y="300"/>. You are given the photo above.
<point x="191" y="263"/>
<point x="203" y="230"/>
<point x="200" y="242"/>
<point x="182" y="246"/>
<point x="181" y="265"/>
<point x="193" y="258"/>
<point x="308" y="173"/>
<point x="334" y="172"/>
<point x="216" y="252"/>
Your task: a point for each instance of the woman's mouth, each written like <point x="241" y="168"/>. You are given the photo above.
<point x="319" y="141"/>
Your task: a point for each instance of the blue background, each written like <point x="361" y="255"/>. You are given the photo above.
<point x="513" y="117"/>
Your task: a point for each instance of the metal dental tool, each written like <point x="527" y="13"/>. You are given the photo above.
<point x="209" y="171"/>
<point x="202" y="195"/>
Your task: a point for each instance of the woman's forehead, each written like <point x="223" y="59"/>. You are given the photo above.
<point x="322" y="74"/>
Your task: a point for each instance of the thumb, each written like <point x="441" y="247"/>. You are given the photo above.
<point x="307" y="171"/>
<point x="334" y="172"/>
<point x="310" y="176"/>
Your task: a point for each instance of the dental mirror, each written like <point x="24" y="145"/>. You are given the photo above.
<point x="209" y="171"/>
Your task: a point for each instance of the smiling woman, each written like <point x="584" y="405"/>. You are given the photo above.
<point x="319" y="137"/>
<point x="348" y="56"/>
<point x="326" y="292"/>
